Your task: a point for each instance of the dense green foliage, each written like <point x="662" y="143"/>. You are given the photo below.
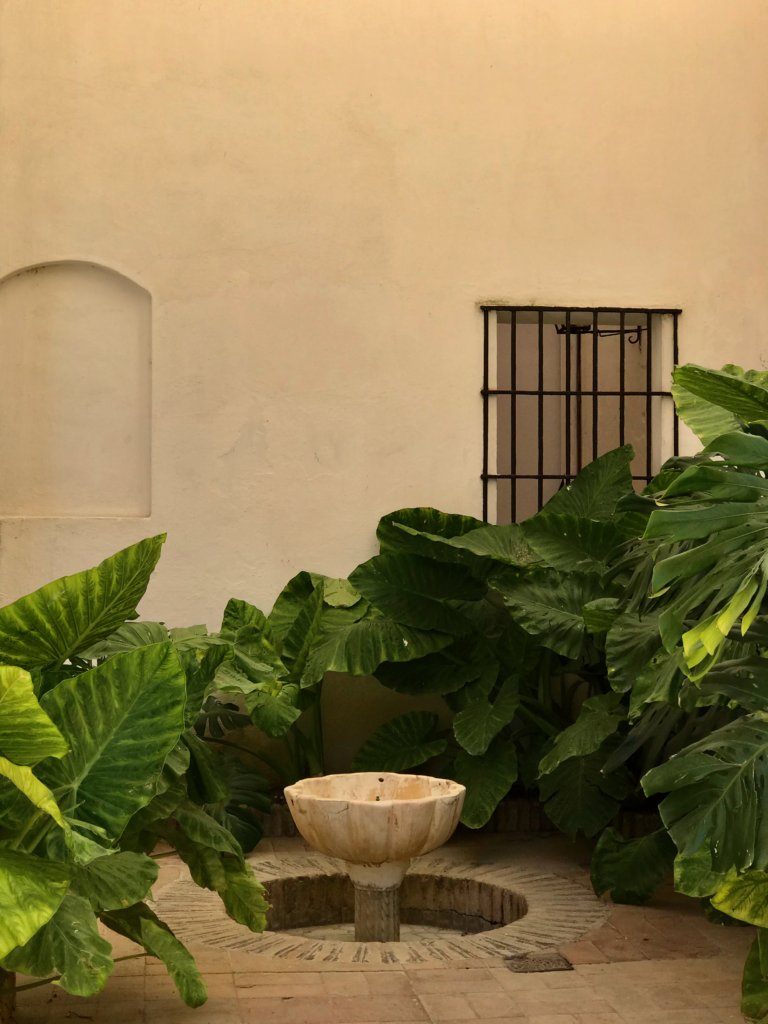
<point x="98" y="764"/>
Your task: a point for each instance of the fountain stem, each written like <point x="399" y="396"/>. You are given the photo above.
<point x="377" y="914"/>
<point x="377" y="904"/>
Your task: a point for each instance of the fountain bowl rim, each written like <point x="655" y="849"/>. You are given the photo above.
<point x="454" y="789"/>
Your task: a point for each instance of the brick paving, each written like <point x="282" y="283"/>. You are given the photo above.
<point x="663" y="963"/>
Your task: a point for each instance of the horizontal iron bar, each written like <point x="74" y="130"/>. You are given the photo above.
<point x="579" y="309"/>
<point x="585" y="394"/>
<point x="535" y="476"/>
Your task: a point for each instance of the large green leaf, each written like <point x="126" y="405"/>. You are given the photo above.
<point x="630" y="644"/>
<point x="359" y="649"/>
<point x="290" y="602"/>
<point x="67" y="616"/>
<point x="549" y="605"/>
<point x="421" y="521"/>
<point x="121" y="720"/>
<point x="31" y="891"/>
<point x="704" y="418"/>
<point x="488" y="778"/>
<point x="694" y="875"/>
<point x="598" y="719"/>
<point x="27" y="783"/>
<point x="480" y="549"/>
<point x="740" y="449"/>
<point x="255" y="655"/>
<point x="633" y="869"/>
<point x="698" y="523"/>
<point x="744" y="680"/>
<point x="204" y="830"/>
<point x="240" y="613"/>
<point x="27" y="734"/>
<point x="244" y="896"/>
<point x="715" y="791"/>
<point x="745" y="897"/>
<point x="275" y="713"/>
<point x="205" y="781"/>
<point x="127" y="637"/>
<point x="596" y="490"/>
<point x="444" y="672"/>
<point x="141" y="925"/>
<point x="477" y="725"/>
<point x="736" y="393"/>
<point x="200" y="668"/>
<point x="112" y="883"/>
<point x="754" y="985"/>
<point x="570" y="543"/>
<point x="578" y="797"/>
<point x="401" y="743"/>
<point x="70" y="945"/>
<point x="414" y="590"/>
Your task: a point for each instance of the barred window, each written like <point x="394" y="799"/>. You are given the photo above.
<point x="563" y="385"/>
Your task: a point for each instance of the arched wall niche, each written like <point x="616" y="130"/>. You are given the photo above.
<point x="75" y="392"/>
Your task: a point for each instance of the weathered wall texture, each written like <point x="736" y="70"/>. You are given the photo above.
<point x="317" y="195"/>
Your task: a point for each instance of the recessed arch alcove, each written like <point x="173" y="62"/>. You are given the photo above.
<point x="75" y="392"/>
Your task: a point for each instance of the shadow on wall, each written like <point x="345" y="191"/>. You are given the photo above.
<point x="75" y="393"/>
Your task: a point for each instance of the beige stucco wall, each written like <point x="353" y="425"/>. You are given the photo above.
<point x="316" y="196"/>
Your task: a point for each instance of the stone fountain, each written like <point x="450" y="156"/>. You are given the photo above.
<point x="376" y="822"/>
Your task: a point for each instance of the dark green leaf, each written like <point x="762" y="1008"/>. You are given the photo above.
<point x="67" y="616"/>
<point x="715" y="791"/>
<point x="141" y="925"/>
<point x="754" y="985"/>
<point x="127" y="637"/>
<point x="488" y="778"/>
<point x="549" y="605"/>
<point x="290" y="602"/>
<point x="633" y="869"/>
<point x="569" y="543"/>
<point x="598" y="487"/>
<point x="414" y="590"/>
<point x="578" y="797"/>
<point x="694" y="875"/>
<point x="630" y="644"/>
<point x="244" y="896"/>
<point x="403" y="742"/>
<point x="443" y="672"/>
<point x="421" y="520"/>
<point x="204" y="779"/>
<point x="601" y="614"/>
<point x="111" y="883"/>
<point x="598" y="719"/>
<point x="274" y="714"/>
<point x="477" y="725"/>
<point x="746" y="398"/>
<point x="200" y="668"/>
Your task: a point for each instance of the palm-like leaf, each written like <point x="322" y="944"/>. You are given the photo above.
<point x="403" y="742"/>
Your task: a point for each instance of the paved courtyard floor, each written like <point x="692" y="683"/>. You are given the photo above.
<point x="663" y="963"/>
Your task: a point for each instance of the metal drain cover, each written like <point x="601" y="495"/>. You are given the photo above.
<point x="535" y="962"/>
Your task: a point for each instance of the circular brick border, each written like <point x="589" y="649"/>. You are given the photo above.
<point x="559" y="911"/>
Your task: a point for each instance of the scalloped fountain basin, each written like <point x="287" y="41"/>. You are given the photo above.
<point x="376" y="822"/>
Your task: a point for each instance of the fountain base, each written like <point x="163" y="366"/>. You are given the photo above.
<point x="377" y="901"/>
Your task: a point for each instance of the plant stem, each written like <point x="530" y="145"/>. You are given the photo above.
<point x="55" y="977"/>
<point x="22" y="835"/>
<point x="264" y="758"/>
<point x="159" y="856"/>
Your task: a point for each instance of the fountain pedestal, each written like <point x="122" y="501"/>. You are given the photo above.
<point x="376" y="822"/>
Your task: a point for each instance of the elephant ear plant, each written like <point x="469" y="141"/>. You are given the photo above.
<point x="97" y="764"/>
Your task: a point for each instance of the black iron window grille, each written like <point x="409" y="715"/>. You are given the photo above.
<point x="563" y="385"/>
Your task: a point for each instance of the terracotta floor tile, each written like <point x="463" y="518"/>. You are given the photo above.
<point x="389" y="984"/>
<point x="458" y="981"/>
<point x="298" y="1010"/>
<point x="583" y="953"/>
<point x="553" y="1018"/>
<point x="377" y="1008"/>
<point x="166" y="1011"/>
<point x="447" y="1007"/>
<point x="491" y="1004"/>
<point x="272" y="985"/>
<point x="346" y="984"/>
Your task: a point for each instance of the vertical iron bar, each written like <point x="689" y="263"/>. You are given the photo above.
<point x="513" y="416"/>
<point x="594" y="384"/>
<point x="649" y="398"/>
<point x="621" y="378"/>
<point x="567" y="390"/>
<point x="675" y="357"/>
<point x="578" y="404"/>
<point x="541" y="409"/>
<point x="485" y="415"/>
